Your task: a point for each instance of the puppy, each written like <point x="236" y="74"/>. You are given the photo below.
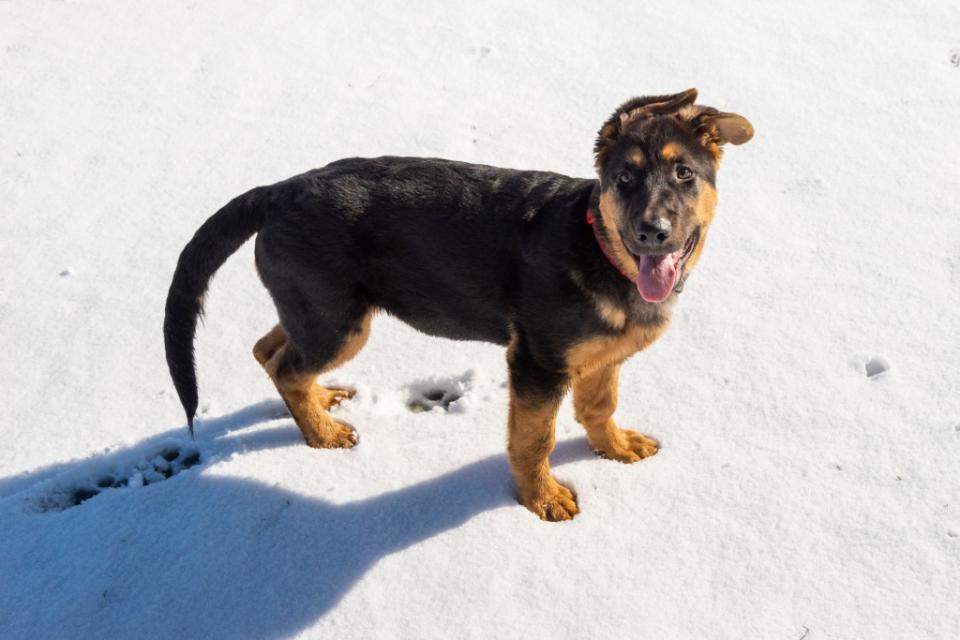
<point x="571" y="275"/>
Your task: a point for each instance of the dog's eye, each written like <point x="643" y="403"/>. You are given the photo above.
<point x="624" y="178"/>
<point x="684" y="172"/>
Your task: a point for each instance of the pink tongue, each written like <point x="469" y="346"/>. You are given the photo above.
<point x="657" y="278"/>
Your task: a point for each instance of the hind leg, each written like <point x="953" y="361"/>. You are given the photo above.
<point x="268" y="345"/>
<point x="271" y="343"/>
<point x="324" y="318"/>
<point x="294" y="365"/>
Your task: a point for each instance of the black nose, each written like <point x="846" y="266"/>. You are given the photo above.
<point x="654" y="234"/>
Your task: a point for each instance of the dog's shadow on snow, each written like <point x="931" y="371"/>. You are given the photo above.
<point x="246" y="559"/>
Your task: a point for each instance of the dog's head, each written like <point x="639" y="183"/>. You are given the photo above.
<point x="657" y="158"/>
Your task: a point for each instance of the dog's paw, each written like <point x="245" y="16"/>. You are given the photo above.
<point x="330" y="397"/>
<point x="552" y="503"/>
<point x="628" y="446"/>
<point x="337" y="436"/>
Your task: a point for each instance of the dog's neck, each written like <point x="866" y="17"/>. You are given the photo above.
<point x="592" y="221"/>
<point x="627" y="297"/>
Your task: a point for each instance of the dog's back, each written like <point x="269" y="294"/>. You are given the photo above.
<point x="435" y="242"/>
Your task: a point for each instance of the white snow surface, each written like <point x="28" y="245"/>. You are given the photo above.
<point x="795" y="495"/>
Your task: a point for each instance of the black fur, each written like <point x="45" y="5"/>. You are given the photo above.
<point x="212" y="244"/>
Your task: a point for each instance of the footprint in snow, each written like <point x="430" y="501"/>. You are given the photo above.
<point x="165" y="463"/>
<point x="870" y="366"/>
<point x="427" y="395"/>
<point x="479" y="53"/>
<point x="876" y="366"/>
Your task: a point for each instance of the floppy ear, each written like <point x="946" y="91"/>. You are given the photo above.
<point x="731" y="127"/>
<point x="714" y="128"/>
<point x="636" y="109"/>
<point x="659" y="105"/>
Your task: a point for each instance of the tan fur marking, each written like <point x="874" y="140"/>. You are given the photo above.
<point x="637" y="159"/>
<point x="268" y="344"/>
<point x="703" y="215"/>
<point x="594" y="401"/>
<point x="309" y="402"/>
<point x="595" y="353"/>
<point x="352" y="346"/>
<point x="671" y="151"/>
<point x="610" y="212"/>
<point x="716" y="152"/>
<point x="531" y="439"/>
<point x="610" y="313"/>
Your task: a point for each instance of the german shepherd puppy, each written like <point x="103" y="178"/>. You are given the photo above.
<point x="571" y="275"/>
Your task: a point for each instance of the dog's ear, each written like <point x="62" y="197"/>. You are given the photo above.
<point x="665" y="105"/>
<point x="714" y="129"/>
<point x="634" y="110"/>
<point x="732" y="127"/>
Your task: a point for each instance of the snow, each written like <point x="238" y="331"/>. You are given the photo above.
<point x="807" y="395"/>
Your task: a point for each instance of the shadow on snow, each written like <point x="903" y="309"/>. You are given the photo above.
<point x="222" y="557"/>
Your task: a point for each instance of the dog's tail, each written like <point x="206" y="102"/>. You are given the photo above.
<point x="214" y="242"/>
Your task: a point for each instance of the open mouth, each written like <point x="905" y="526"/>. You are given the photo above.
<point x="660" y="274"/>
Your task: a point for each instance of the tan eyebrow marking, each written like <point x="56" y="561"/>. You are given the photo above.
<point x="637" y="159"/>
<point x="671" y="151"/>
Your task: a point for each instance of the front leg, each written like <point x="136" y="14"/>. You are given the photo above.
<point x="535" y="396"/>
<point x="594" y="401"/>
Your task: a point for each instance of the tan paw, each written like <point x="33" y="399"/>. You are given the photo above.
<point x="554" y="503"/>
<point x="332" y="396"/>
<point x="335" y="436"/>
<point x="628" y="446"/>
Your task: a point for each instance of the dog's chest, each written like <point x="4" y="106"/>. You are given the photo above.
<point x="595" y="353"/>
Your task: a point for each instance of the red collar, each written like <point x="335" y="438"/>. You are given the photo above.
<point x="592" y="221"/>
